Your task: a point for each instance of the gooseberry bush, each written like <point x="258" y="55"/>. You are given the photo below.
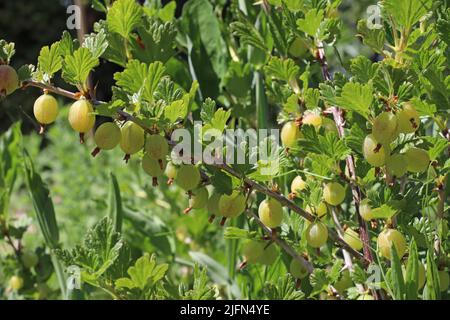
<point x="352" y="204"/>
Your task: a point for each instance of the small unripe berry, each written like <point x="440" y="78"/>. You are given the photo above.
<point x="107" y="137"/>
<point x="45" y="109"/>
<point x="384" y="128"/>
<point x="352" y="239"/>
<point x="269" y="255"/>
<point x="297" y="185"/>
<point x="312" y="119"/>
<point x="188" y="177"/>
<point x="374" y="152"/>
<point x="417" y="160"/>
<point x="333" y="193"/>
<point x="16" y="283"/>
<point x="396" y="165"/>
<point x="317" y="234"/>
<point x="388" y="237"/>
<point x="9" y="81"/>
<point x="156" y="146"/>
<point x="270" y="213"/>
<point x="252" y="250"/>
<point x="171" y="172"/>
<point x="29" y="259"/>
<point x="81" y="116"/>
<point x="198" y="199"/>
<point x="133" y="137"/>
<point x="297" y="270"/>
<point x="365" y="210"/>
<point x="290" y="133"/>
<point x="444" y="280"/>
<point x="320" y="211"/>
<point x="153" y="168"/>
<point x="408" y="119"/>
<point x="231" y="206"/>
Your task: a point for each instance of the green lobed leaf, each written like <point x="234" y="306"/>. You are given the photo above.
<point x="50" y="61"/>
<point x="76" y="67"/>
<point x="356" y="97"/>
<point x="145" y="273"/>
<point x="123" y="17"/>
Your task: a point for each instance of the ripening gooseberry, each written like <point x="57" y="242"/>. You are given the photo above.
<point x="45" y="109"/>
<point x="188" y="177"/>
<point x="408" y="119"/>
<point x="374" y="152"/>
<point x="132" y="140"/>
<point x="252" y="250"/>
<point x="365" y="210"/>
<point x="297" y="270"/>
<point x="269" y="255"/>
<point x="81" y="116"/>
<point x="106" y="137"/>
<point x="171" y="172"/>
<point x="16" y="283"/>
<point x="316" y="234"/>
<point x="444" y="280"/>
<point x="320" y="211"/>
<point x="270" y="213"/>
<point x="231" y="206"/>
<point x="198" y="199"/>
<point x="9" y="80"/>
<point x="153" y="168"/>
<point x="312" y="119"/>
<point x="396" y="165"/>
<point x="352" y="239"/>
<point x="417" y="160"/>
<point x="29" y="259"/>
<point x="298" y="184"/>
<point x="389" y="237"/>
<point x="384" y="128"/>
<point x="290" y="133"/>
<point x="156" y="146"/>
<point x="333" y="193"/>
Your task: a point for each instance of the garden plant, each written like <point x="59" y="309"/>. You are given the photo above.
<point x="344" y="195"/>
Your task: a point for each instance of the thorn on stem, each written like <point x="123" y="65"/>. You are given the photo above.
<point x="42" y="129"/>
<point x="243" y="265"/>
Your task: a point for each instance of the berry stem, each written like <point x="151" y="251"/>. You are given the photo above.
<point x="95" y="152"/>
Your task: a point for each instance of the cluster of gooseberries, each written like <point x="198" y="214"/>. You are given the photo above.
<point x="376" y="149"/>
<point x="386" y="127"/>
